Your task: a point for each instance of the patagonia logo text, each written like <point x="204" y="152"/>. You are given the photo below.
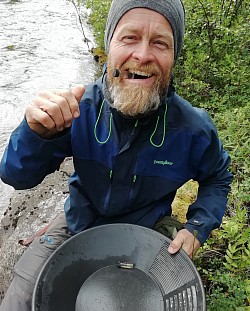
<point x="166" y="162"/>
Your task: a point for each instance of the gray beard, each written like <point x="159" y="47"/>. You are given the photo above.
<point x="133" y="101"/>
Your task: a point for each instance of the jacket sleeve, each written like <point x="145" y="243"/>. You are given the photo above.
<point x="28" y="158"/>
<point x="214" y="179"/>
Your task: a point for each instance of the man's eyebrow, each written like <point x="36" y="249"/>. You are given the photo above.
<point x="125" y="28"/>
<point x="130" y="28"/>
<point x="165" y="34"/>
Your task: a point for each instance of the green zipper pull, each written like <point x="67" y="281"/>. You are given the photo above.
<point x="134" y="178"/>
<point x="110" y="174"/>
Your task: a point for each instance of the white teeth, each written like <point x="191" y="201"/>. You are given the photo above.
<point x="131" y="75"/>
<point x="141" y="73"/>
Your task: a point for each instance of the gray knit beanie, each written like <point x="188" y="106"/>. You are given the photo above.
<point x="172" y="10"/>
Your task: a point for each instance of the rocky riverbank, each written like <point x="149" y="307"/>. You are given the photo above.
<point x="29" y="211"/>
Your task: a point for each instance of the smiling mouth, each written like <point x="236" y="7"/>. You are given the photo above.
<point x="139" y="75"/>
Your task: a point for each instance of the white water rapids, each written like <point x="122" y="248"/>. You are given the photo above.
<point x="41" y="47"/>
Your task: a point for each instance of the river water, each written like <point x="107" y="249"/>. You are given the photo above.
<point x="41" y="47"/>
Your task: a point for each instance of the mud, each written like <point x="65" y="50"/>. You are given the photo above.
<point x="28" y="212"/>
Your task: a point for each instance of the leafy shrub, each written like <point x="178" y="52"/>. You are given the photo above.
<point x="233" y="127"/>
<point x="213" y="70"/>
<point x="97" y="18"/>
<point x="224" y="264"/>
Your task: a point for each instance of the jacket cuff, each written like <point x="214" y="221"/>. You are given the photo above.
<point x="197" y="228"/>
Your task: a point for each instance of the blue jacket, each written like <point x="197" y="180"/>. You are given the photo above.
<point x="128" y="170"/>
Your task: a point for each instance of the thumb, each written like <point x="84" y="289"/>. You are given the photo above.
<point x="78" y="91"/>
<point x="176" y="244"/>
<point x="174" y="248"/>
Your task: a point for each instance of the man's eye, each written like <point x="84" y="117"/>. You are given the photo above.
<point x="129" y="38"/>
<point x="161" y="44"/>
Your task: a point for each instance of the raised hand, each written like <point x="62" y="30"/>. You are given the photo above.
<point x="53" y="111"/>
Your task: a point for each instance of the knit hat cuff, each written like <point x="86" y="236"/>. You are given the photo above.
<point x="172" y="10"/>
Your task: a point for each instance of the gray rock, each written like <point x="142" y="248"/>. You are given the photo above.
<point x="28" y="212"/>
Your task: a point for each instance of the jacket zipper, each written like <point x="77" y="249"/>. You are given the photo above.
<point x="131" y="196"/>
<point x="107" y="198"/>
<point x="131" y="190"/>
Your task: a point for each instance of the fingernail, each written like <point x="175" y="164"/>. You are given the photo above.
<point x="76" y="114"/>
<point x="171" y="250"/>
<point x="68" y="124"/>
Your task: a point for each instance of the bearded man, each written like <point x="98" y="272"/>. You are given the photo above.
<point x="133" y="140"/>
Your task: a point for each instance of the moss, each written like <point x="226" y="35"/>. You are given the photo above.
<point x="185" y="196"/>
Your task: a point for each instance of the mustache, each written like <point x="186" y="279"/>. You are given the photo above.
<point x="147" y="68"/>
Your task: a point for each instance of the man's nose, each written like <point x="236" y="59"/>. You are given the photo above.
<point x="143" y="53"/>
